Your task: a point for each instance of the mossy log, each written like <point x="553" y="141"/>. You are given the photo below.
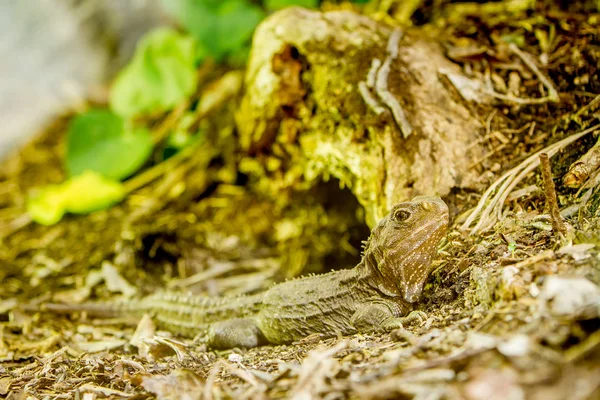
<point x="303" y="118"/>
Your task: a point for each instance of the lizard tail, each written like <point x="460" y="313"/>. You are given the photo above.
<point x="186" y="315"/>
<point x="102" y="310"/>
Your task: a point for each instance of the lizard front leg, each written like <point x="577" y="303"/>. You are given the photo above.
<point x="236" y="332"/>
<point x="381" y="314"/>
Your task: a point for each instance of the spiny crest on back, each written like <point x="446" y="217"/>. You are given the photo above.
<point x="364" y="245"/>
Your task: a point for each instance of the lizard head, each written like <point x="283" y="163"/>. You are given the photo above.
<point x="403" y="244"/>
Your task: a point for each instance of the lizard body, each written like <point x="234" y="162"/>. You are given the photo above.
<point x="375" y="295"/>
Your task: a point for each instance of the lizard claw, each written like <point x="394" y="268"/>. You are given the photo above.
<point x="416" y="316"/>
<point x="399" y="323"/>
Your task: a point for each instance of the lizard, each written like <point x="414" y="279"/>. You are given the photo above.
<point x="376" y="295"/>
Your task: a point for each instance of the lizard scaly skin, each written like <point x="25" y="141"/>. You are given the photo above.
<point x="375" y="295"/>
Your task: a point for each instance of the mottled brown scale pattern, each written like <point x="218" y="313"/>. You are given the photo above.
<point x="327" y="305"/>
<point x="375" y="295"/>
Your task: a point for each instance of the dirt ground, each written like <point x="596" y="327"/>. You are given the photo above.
<point x="513" y="306"/>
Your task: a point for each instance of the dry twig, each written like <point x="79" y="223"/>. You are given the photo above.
<point x="581" y="169"/>
<point x="318" y="365"/>
<point x="558" y="224"/>
<point x="381" y="85"/>
<point x="552" y="95"/>
<point x="377" y="79"/>
<point x="489" y="208"/>
<point x="372" y="74"/>
<point x="369" y="98"/>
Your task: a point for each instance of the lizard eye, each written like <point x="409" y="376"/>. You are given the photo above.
<point x="401" y="215"/>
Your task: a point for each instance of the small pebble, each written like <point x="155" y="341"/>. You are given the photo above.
<point x="515" y="346"/>
<point x="574" y="297"/>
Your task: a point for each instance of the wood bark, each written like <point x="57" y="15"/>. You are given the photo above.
<point x="302" y="118"/>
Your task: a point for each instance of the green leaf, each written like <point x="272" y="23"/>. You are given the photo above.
<point x="46" y="207"/>
<point x="512" y="247"/>
<point x="516" y="38"/>
<point x="82" y="194"/>
<point x="161" y="74"/>
<point x="221" y="27"/>
<point x="97" y="141"/>
<point x="279" y="4"/>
